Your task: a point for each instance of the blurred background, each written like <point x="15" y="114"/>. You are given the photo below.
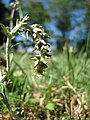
<point x="68" y="73"/>
<point x="64" y="20"/>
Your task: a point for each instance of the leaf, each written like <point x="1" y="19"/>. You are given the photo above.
<point x="5" y="30"/>
<point x="17" y="73"/>
<point x="2" y="75"/>
<point x="11" y="57"/>
<point x="1" y="88"/>
<point x="50" y="106"/>
<point x="4" y="95"/>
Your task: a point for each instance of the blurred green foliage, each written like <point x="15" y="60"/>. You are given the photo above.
<point x="21" y="89"/>
<point x="37" y="12"/>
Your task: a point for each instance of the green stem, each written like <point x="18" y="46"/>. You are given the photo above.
<point x="87" y="44"/>
<point x="11" y="21"/>
<point x="87" y="51"/>
<point x="70" y="66"/>
<point x="7" y="54"/>
<point x="20" y="12"/>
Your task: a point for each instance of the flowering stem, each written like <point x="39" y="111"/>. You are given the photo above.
<point x="7" y="55"/>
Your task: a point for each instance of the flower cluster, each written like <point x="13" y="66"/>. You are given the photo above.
<point x="43" y="48"/>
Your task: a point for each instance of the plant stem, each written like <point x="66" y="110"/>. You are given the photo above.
<point x="11" y="21"/>
<point x="34" y="82"/>
<point x="7" y="55"/>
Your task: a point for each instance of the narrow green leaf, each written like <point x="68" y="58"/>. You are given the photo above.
<point x="4" y="95"/>
<point x="5" y="30"/>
